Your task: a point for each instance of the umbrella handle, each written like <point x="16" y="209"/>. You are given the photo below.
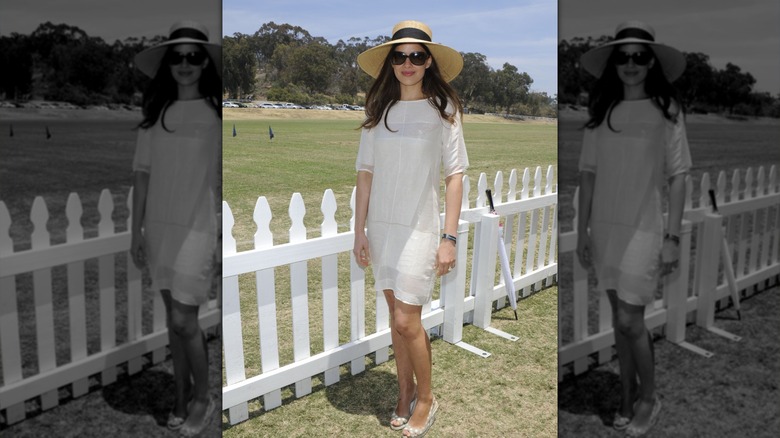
<point x="490" y="200"/>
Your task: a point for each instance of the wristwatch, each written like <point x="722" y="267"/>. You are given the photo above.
<point x="673" y="238"/>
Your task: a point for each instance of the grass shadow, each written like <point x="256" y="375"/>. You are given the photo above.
<point x="373" y="392"/>
<point x="594" y="393"/>
<point x="148" y="393"/>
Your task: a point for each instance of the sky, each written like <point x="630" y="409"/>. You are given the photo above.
<point x="110" y="19"/>
<point x="745" y="32"/>
<point x="520" y="32"/>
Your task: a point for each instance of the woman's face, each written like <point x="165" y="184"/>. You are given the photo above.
<point x="187" y="62"/>
<point x="407" y="73"/>
<point x="632" y="62"/>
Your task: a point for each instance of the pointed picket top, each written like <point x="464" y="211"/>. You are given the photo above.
<point x="760" y="183"/>
<point x="262" y="217"/>
<point x="228" y="241"/>
<point x="105" y="207"/>
<point x="352" y="207"/>
<point x="511" y="195"/>
<point x="526" y="184"/>
<point x="704" y="190"/>
<point x="720" y="192"/>
<point x="548" y="189"/>
<point x="297" y="211"/>
<point x="773" y="179"/>
<point x="481" y="187"/>
<point x="736" y="180"/>
<point x="328" y="209"/>
<point x="498" y="188"/>
<point x="6" y="243"/>
<point x="74" y="211"/>
<point x="749" y="183"/>
<point x="538" y="181"/>
<point x="39" y="216"/>
<point x="464" y="203"/>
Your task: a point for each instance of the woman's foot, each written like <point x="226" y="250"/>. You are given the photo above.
<point x="645" y="416"/>
<point x="626" y="411"/>
<point x="178" y="414"/>
<point x="200" y="414"/>
<point x="403" y="409"/>
<point x="422" y="419"/>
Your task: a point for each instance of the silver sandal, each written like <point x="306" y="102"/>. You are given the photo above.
<point x="395" y="417"/>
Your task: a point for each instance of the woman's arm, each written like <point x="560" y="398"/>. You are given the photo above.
<point x="140" y="188"/>
<point x="452" y="203"/>
<point x="584" y="248"/>
<point x="362" y="195"/>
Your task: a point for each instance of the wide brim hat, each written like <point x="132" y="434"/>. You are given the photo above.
<point x="448" y="60"/>
<point x="672" y="60"/>
<point x="183" y="32"/>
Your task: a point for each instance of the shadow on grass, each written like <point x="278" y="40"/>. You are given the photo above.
<point x="370" y="393"/>
<point x="148" y="393"/>
<point x="594" y="393"/>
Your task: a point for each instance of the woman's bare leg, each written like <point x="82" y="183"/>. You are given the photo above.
<point x="403" y="365"/>
<point x="631" y="322"/>
<point x="181" y="368"/>
<point x="187" y="327"/>
<point x="408" y="323"/>
<point x="628" y="373"/>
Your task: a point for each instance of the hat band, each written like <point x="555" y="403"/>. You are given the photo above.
<point x="633" y="32"/>
<point x="410" y="32"/>
<point x="187" y="32"/>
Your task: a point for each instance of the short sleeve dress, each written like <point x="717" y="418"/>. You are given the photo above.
<point x="630" y="167"/>
<point x="180" y="220"/>
<point x="403" y="211"/>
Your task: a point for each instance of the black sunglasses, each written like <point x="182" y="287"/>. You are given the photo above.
<point x="417" y="58"/>
<point x="193" y="58"/>
<point x="640" y="58"/>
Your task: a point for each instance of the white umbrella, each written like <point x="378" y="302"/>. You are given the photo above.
<point x="729" y="270"/>
<point x="505" y="273"/>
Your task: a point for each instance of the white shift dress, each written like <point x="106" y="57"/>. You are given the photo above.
<point x="403" y="210"/>
<point x="180" y="220"/>
<point x="631" y="167"/>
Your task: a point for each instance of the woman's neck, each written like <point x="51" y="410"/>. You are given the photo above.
<point x="634" y="92"/>
<point x="189" y="92"/>
<point x="414" y="92"/>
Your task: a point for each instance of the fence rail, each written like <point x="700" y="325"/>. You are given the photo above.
<point x="530" y="234"/>
<point x="749" y="220"/>
<point x="119" y="292"/>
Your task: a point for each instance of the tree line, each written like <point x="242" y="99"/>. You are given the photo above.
<point x="703" y="88"/>
<point x="282" y="62"/>
<point x="62" y="63"/>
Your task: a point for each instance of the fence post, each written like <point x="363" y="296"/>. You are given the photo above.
<point x="709" y="259"/>
<point x="485" y="275"/>
<point x="452" y="287"/>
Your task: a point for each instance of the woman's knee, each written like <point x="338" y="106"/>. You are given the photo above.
<point x="184" y="323"/>
<point x="630" y="324"/>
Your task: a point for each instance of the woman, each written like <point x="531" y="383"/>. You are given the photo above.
<point x="635" y="135"/>
<point x="412" y="126"/>
<point x="175" y="198"/>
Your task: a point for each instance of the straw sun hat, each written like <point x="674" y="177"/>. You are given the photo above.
<point x="448" y="60"/>
<point x="183" y="32"/>
<point x="635" y="32"/>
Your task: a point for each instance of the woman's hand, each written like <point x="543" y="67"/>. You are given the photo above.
<point x="361" y="251"/>
<point x="138" y="249"/>
<point x="584" y="250"/>
<point x="670" y="257"/>
<point x="445" y="257"/>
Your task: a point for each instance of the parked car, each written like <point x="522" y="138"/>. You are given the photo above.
<point x="268" y="106"/>
<point x="229" y="105"/>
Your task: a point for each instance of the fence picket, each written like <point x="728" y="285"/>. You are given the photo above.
<point x="533" y="235"/>
<point x="44" y="311"/>
<point x="299" y="285"/>
<point x="521" y="225"/>
<point x="10" y="350"/>
<point x="106" y="286"/>
<point x="330" y="291"/>
<point x="76" y="301"/>
<point x="545" y="231"/>
<point x="498" y="197"/>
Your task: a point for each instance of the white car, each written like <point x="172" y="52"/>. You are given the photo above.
<point x="268" y="105"/>
<point x="229" y="105"/>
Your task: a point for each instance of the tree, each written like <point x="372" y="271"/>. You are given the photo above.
<point x="734" y="86"/>
<point x="697" y="83"/>
<point x="239" y="65"/>
<point x="473" y="82"/>
<point x="510" y="86"/>
<point x="16" y="59"/>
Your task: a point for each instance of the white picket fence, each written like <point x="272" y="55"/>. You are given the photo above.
<point x="749" y="214"/>
<point x="47" y="376"/>
<point x="530" y="222"/>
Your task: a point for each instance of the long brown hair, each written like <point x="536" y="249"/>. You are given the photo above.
<point x="386" y="92"/>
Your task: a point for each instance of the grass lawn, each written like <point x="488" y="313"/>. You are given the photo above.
<point x="515" y="393"/>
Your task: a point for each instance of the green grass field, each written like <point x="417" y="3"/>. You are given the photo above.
<point x="515" y="393"/>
